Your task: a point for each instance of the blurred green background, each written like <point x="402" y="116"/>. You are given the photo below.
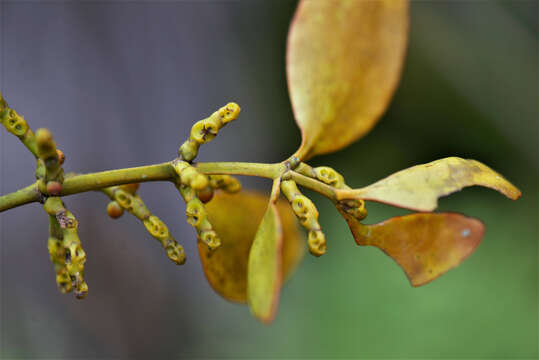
<point x="120" y="83"/>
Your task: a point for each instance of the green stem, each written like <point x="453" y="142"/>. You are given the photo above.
<point x="95" y="181"/>
<point x="270" y="171"/>
<point x="20" y="197"/>
<point x="160" y="172"/>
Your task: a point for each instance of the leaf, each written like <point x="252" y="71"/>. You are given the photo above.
<point x="235" y="218"/>
<point x="425" y="246"/>
<point x="419" y="187"/>
<point x="344" y="61"/>
<point x="264" y="274"/>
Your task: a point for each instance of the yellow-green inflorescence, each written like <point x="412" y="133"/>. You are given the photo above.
<point x="64" y="245"/>
<point x="16" y="125"/>
<point x="65" y="248"/>
<point x="205" y="130"/>
<point x="190" y="184"/>
<point x="196" y="188"/>
<point x="124" y="197"/>
<point x="307" y="214"/>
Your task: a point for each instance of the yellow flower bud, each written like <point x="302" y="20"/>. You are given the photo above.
<point x="15" y="123"/>
<point x="229" y="112"/>
<point x="176" y="253"/>
<point x="206" y="194"/>
<point x="124" y="199"/>
<point x="200" y="134"/>
<point x="317" y="243"/>
<point x="210" y="238"/>
<point x="156" y="227"/>
<point x="114" y="210"/>
<point x="304" y="208"/>
<point x="195" y="212"/>
<point x="329" y="176"/>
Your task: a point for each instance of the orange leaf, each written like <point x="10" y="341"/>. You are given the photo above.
<point x="419" y="187"/>
<point x="235" y="218"/>
<point x="344" y="60"/>
<point x="425" y="246"/>
<point x="264" y="274"/>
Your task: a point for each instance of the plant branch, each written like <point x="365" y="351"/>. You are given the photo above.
<point x="159" y="172"/>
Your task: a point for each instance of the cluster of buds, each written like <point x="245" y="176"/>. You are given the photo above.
<point x="190" y="181"/>
<point x="205" y="130"/>
<point x="307" y="214"/>
<point x="65" y="248"/>
<point x="125" y="197"/>
<point x="196" y="190"/>
<point x="327" y="175"/>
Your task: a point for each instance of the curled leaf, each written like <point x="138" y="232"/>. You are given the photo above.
<point x="264" y="266"/>
<point x="235" y="218"/>
<point x="425" y="246"/>
<point x="344" y="60"/>
<point x="419" y="187"/>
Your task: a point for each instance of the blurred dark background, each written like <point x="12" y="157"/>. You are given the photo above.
<point x="120" y="84"/>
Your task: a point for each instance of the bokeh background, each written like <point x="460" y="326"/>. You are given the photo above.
<point x="120" y="84"/>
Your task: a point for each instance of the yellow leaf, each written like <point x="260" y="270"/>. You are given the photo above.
<point x="344" y="60"/>
<point x="425" y="246"/>
<point x="235" y="218"/>
<point x="264" y="267"/>
<point x="419" y="187"/>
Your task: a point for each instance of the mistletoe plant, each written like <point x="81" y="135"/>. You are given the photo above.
<point x="344" y="60"/>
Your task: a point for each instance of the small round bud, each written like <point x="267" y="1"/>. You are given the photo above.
<point x="210" y="238"/>
<point x="303" y="207"/>
<point x="61" y="156"/>
<point x="156" y="227"/>
<point x="16" y="124"/>
<point x="317" y="243"/>
<point x="229" y="112"/>
<point x="124" y="199"/>
<point x="200" y="134"/>
<point x="199" y="182"/>
<point x="206" y="194"/>
<point x="114" y="210"/>
<point x="176" y="253"/>
<point x="195" y="212"/>
<point x="329" y="176"/>
<point x="191" y="177"/>
<point x="54" y="188"/>
<point x="44" y="138"/>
